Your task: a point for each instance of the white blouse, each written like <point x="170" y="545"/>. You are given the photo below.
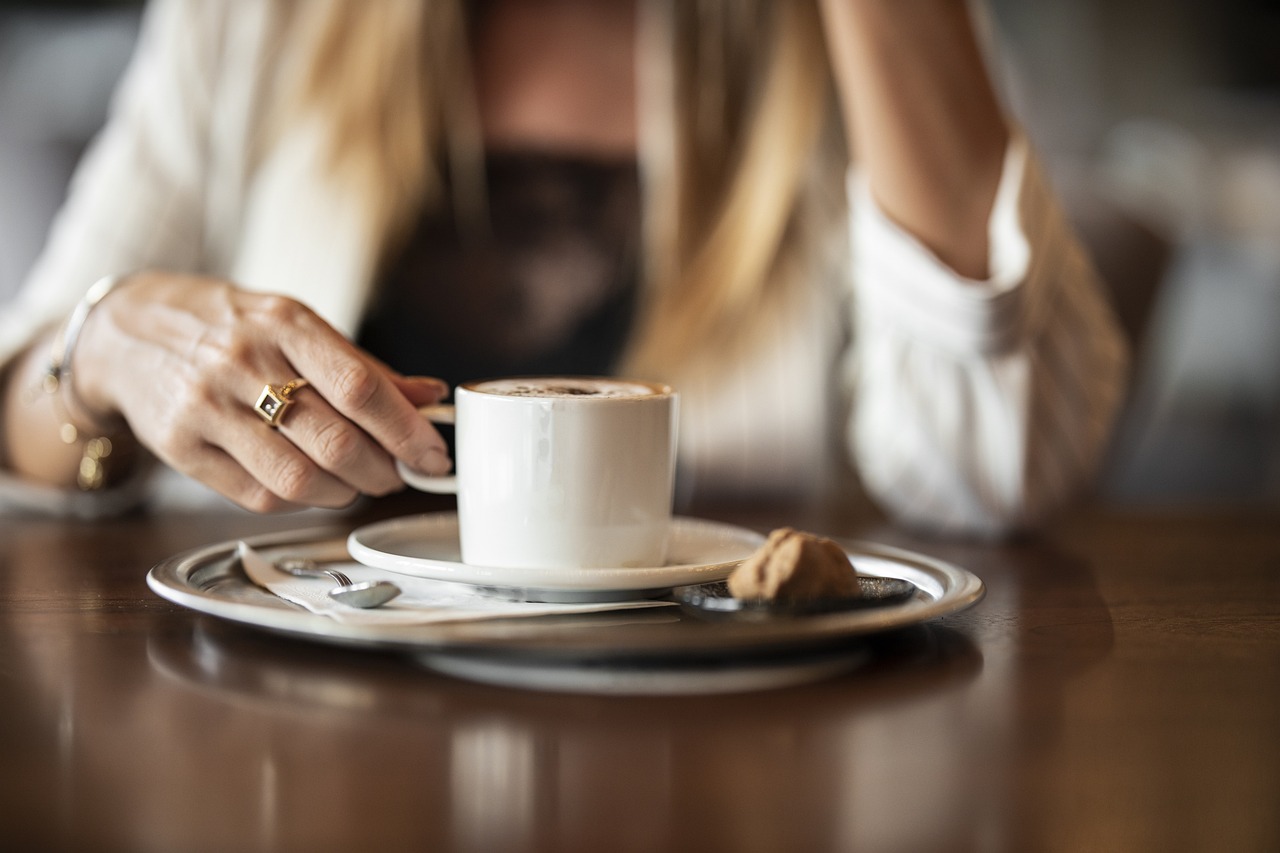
<point x="966" y="406"/>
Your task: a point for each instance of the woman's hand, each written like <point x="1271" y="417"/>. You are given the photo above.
<point x="183" y="359"/>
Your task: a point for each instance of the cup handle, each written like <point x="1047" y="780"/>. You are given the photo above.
<point x="447" y="485"/>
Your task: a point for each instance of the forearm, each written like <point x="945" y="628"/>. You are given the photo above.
<point x="922" y="118"/>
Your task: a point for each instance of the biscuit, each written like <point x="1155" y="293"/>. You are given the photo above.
<point x="795" y="566"/>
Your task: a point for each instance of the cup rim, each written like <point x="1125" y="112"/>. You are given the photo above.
<point x="660" y="389"/>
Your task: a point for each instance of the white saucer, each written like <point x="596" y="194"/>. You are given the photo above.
<point x="426" y="546"/>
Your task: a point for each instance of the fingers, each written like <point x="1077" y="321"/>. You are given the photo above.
<point x="368" y="395"/>
<point x="421" y="390"/>
<point x="339" y="446"/>
<point x="260" y="469"/>
<point x="219" y="471"/>
<point x="216" y="346"/>
<point x="284" y="468"/>
<point x="279" y="466"/>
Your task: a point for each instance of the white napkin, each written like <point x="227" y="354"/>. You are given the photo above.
<point x="420" y="602"/>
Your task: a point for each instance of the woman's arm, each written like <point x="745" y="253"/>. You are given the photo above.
<point x="922" y="118"/>
<point x="178" y="362"/>
<point x="988" y="366"/>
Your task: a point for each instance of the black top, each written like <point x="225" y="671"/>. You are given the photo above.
<point x="549" y="289"/>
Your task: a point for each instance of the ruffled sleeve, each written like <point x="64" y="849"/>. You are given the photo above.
<point x="981" y="406"/>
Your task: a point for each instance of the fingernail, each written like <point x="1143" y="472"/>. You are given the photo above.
<point x="435" y="463"/>
<point x="439" y="385"/>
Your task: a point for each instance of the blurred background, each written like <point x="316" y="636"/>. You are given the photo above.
<point x="1159" y="121"/>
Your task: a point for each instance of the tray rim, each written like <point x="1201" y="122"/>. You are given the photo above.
<point x="944" y="589"/>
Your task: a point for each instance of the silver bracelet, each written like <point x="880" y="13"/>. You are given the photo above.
<point x="56" y="382"/>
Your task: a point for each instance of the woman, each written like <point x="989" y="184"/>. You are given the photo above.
<point x="659" y="188"/>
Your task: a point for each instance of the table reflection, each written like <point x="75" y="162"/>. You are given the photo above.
<point x="499" y="767"/>
<point x="171" y="727"/>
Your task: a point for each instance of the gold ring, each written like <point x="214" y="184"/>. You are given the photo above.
<point x="273" y="402"/>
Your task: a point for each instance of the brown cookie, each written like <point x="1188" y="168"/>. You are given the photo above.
<point x="795" y="566"/>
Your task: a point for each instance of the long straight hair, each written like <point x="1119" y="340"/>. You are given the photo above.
<point x="741" y="161"/>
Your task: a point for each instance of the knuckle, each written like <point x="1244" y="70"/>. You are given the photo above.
<point x="405" y="438"/>
<point x="238" y="347"/>
<point x="193" y="398"/>
<point x="402" y="445"/>
<point x="167" y="443"/>
<point x="280" y="310"/>
<point x="337" y="444"/>
<point x="293" y="480"/>
<point x="170" y="432"/>
<point x="224" y="352"/>
<point x="354" y="386"/>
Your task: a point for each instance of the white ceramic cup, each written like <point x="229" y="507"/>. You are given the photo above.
<point x="556" y="472"/>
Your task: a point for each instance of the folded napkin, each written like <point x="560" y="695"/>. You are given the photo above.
<point x="420" y="602"/>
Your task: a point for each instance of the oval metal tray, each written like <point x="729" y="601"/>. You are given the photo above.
<point x="209" y="580"/>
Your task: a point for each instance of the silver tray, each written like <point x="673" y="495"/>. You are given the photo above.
<point x="209" y="580"/>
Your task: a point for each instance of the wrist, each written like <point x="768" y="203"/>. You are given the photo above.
<point x="77" y="368"/>
<point x="97" y="432"/>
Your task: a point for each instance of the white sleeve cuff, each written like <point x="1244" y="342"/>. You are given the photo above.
<point x="900" y="283"/>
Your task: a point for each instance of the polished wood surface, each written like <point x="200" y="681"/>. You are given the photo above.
<point x="1118" y="689"/>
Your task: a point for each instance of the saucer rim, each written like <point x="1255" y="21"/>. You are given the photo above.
<point x="589" y="579"/>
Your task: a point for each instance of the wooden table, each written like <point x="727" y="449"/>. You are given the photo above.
<point x="1118" y="689"/>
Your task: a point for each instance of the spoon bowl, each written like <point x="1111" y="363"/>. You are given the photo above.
<point x="366" y="594"/>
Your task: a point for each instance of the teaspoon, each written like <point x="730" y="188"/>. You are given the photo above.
<point x="364" y="595"/>
<point x="714" y="600"/>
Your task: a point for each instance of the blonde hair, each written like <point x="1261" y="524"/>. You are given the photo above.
<point x="734" y="100"/>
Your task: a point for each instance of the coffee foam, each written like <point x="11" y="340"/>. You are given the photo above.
<point x="566" y="388"/>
